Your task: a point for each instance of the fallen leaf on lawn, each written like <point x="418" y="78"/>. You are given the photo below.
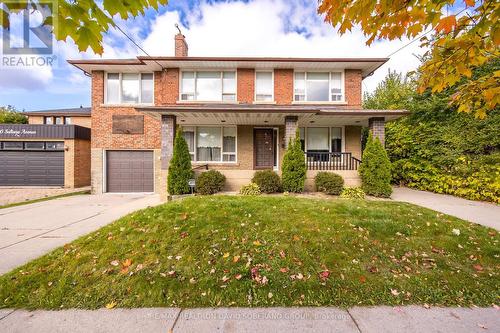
<point x="478" y="267"/>
<point x="111" y="305"/>
<point x="238" y="276"/>
<point x="284" y="269"/>
<point x="127" y="263"/>
<point x="427" y="306"/>
<point x="362" y="279"/>
<point x="342" y="276"/>
<point x="282" y="254"/>
<point x="257" y="243"/>
<point x="373" y="269"/>
<point x="456" y="232"/>
<point x="50" y="283"/>
<point x="184" y="234"/>
<point x="212" y="271"/>
<point x="394" y="292"/>
<point x="225" y="279"/>
<point x="236" y="258"/>
<point x="296" y="238"/>
<point x="171" y="273"/>
<point x="184" y="216"/>
<point x="225" y="255"/>
<point x="270" y="295"/>
<point x="192" y="280"/>
<point x="178" y="257"/>
<point x="324" y="275"/>
<point x="114" y="263"/>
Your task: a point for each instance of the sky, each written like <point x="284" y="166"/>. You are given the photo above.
<point x="275" y="28"/>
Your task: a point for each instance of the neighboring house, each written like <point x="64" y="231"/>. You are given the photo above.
<point x="237" y="114"/>
<point x="53" y="149"/>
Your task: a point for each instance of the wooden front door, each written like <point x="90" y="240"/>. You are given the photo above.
<point x="264" y="148"/>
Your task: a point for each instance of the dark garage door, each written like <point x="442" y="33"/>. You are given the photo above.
<point x="129" y="171"/>
<point x="34" y="168"/>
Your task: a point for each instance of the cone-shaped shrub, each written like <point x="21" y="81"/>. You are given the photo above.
<point x="293" y="169"/>
<point x="180" y="170"/>
<point x="375" y="169"/>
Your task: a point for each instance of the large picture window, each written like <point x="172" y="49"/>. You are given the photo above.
<point x="129" y="88"/>
<point x="211" y="143"/>
<point x="208" y="86"/>
<point x="318" y="87"/>
<point x="321" y="139"/>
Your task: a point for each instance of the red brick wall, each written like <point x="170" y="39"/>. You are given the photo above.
<point x="167" y="86"/>
<point x="353" y="87"/>
<point x="283" y="86"/>
<point x="102" y="134"/>
<point x="245" y="85"/>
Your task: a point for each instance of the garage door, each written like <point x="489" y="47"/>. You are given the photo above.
<point x="33" y="168"/>
<point x="129" y="171"/>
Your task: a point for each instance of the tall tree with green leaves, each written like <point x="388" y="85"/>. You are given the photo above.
<point x="179" y="169"/>
<point x="9" y="115"/>
<point x="84" y="21"/>
<point x="461" y="41"/>
<point x="293" y="169"/>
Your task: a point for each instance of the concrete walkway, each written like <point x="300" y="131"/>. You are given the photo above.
<point x="355" y="320"/>
<point x="487" y="214"/>
<point x="29" y="231"/>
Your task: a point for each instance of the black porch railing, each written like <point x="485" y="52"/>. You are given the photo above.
<point x="331" y="161"/>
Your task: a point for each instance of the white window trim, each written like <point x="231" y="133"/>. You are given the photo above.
<point x="329" y="137"/>
<point x="342" y="78"/>
<point x="272" y="101"/>
<point x="221" y="142"/>
<point x="120" y="103"/>
<point x="180" y="100"/>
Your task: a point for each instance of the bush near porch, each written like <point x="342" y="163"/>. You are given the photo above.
<point x="293" y="169"/>
<point x="268" y="181"/>
<point x="266" y="251"/>
<point x="179" y="169"/>
<point x="329" y="183"/>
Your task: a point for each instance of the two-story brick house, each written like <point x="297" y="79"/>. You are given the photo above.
<point x="238" y="115"/>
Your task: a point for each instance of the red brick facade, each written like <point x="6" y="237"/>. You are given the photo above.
<point x="245" y="85"/>
<point x="352" y="81"/>
<point x="283" y="86"/>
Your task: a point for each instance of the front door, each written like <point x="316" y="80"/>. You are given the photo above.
<point x="264" y="148"/>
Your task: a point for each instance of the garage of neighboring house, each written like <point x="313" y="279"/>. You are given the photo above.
<point x="129" y="171"/>
<point x="44" y="155"/>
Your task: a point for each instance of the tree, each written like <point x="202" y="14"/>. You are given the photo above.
<point x="394" y="92"/>
<point x="84" y="21"/>
<point x="9" y="115"/>
<point x="179" y="169"/>
<point x="375" y="171"/>
<point x="460" y="43"/>
<point x="293" y="169"/>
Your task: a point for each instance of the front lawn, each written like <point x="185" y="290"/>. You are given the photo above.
<point x="266" y="251"/>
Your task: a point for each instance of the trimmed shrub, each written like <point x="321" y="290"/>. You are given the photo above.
<point x="179" y="170"/>
<point x="293" y="169"/>
<point x="375" y="169"/>
<point x="268" y="181"/>
<point x="329" y="183"/>
<point x="210" y="182"/>
<point x="250" y="189"/>
<point x="352" y="193"/>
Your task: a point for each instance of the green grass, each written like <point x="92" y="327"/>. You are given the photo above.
<point x="189" y="253"/>
<point x="44" y="199"/>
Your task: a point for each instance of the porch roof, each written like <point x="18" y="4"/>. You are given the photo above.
<point x="261" y="114"/>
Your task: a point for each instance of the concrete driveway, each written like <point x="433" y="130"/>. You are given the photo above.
<point x="29" y="231"/>
<point x="484" y="213"/>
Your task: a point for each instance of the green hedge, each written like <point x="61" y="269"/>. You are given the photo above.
<point x="210" y="182"/>
<point x="329" y="183"/>
<point x="268" y="181"/>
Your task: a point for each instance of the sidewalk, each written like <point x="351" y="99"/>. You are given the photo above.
<point x="484" y="213"/>
<point x="357" y="319"/>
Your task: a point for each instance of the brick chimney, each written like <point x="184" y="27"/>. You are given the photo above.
<point x="181" y="47"/>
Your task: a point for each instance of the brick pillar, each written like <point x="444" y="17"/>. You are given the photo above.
<point x="291" y="125"/>
<point x="181" y="47"/>
<point x="377" y="128"/>
<point x="168" y="125"/>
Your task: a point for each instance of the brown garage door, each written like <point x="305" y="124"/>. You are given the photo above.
<point x="129" y="171"/>
<point x="32" y="168"/>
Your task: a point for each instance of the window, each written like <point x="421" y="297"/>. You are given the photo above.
<point x="54" y="145"/>
<point x="12" y="145"/>
<point x="318" y="87"/>
<point x="129" y="88"/>
<point x="211" y="143"/>
<point x="34" y="145"/>
<point x="264" y="86"/>
<point x="48" y="120"/>
<point x="229" y="144"/>
<point x="67" y="120"/>
<point x="321" y="139"/>
<point x="208" y="86"/>
<point x="188" y="134"/>
<point x="59" y="120"/>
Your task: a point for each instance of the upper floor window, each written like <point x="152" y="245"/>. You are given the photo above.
<point x="48" y="120"/>
<point x="208" y="86"/>
<point x="318" y="87"/>
<point x="264" y="86"/>
<point x="129" y="88"/>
